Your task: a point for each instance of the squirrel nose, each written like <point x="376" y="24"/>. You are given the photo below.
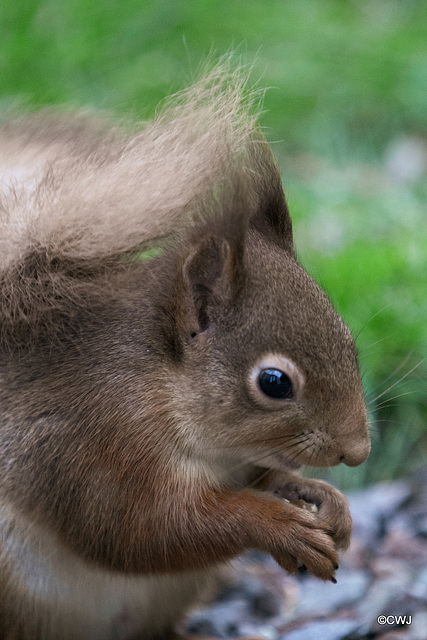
<point x="356" y="454"/>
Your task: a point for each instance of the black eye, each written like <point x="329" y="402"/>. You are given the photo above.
<point x="275" y="384"/>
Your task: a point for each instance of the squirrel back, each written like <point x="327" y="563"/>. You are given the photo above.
<point x="150" y="408"/>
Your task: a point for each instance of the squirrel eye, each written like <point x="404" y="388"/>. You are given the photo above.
<point x="275" y="383"/>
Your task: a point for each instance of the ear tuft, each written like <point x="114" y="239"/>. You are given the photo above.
<point x="272" y="218"/>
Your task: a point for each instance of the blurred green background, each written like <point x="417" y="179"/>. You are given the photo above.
<point x="346" y="110"/>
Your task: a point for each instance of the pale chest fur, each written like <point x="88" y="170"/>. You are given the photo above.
<point x="78" y="601"/>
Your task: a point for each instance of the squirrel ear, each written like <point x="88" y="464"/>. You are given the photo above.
<point x="272" y="218"/>
<point x="209" y="274"/>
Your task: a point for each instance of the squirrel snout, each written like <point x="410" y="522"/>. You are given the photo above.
<point x="354" y="443"/>
<point x="356" y="453"/>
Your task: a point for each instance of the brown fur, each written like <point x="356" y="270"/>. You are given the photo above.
<point x="130" y="432"/>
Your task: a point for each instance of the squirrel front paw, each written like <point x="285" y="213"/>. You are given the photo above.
<point x="296" y="537"/>
<point x="332" y="505"/>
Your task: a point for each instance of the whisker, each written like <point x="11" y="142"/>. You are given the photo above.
<point x="392" y="374"/>
<point x="312" y="457"/>
<point x="370" y="320"/>
<point x="400" y="380"/>
<point x="364" y="350"/>
<point x="308" y="446"/>
<point x="269" y="452"/>
<point x="378" y="410"/>
<point x="285" y="450"/>
<point x="399" y="395"/>
<point x="280" y="438"/>
<point x="258" y="479"/>
<point x="263" y="441"/>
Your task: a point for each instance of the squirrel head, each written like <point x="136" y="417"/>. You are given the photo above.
<point x="264" y="369"/>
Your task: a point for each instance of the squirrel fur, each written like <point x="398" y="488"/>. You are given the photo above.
<point x="140" y="444"/>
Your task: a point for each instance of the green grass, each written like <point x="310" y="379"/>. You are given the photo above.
<point x="348" y="85"/>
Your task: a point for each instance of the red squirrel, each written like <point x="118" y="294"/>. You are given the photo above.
<point x="155" y="409"/>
